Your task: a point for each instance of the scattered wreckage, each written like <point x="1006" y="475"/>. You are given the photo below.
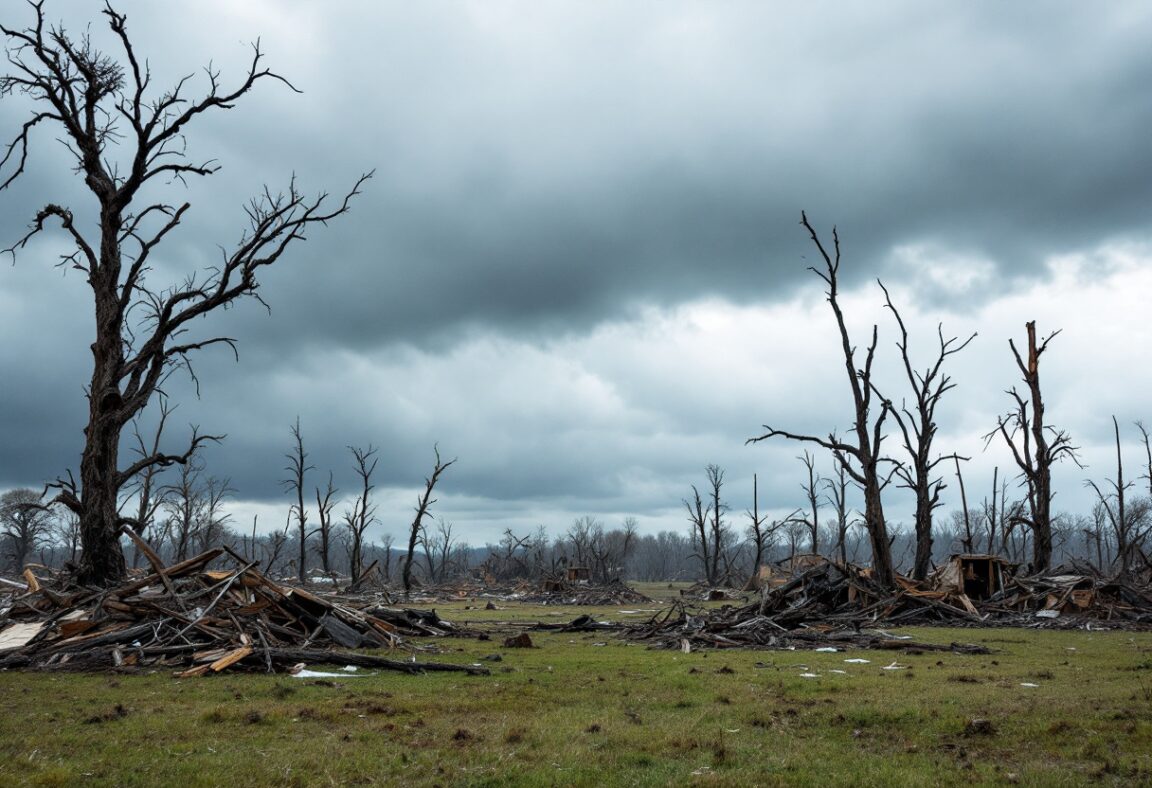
<point x="196" y="621"/>
<point x="815" y="602"/>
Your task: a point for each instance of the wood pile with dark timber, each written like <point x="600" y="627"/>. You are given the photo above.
<point x="196" y="621"/>
<point x="828" y="604"/>
<point x="543" y="592"/>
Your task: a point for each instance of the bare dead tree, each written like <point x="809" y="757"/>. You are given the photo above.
<point x="968" y="542"/>
<point x="1147" y="476"/>
<point x="1129" y="520"/>
<point x="918" y="428"/>
<point x="761" y="533"/>
<point x="516" y="556"/>
<point x="991" y="508"/>
<point x="758" y="533"/>
<point x="1035" y="446"/>
<point x="297" y="468"/>
<point x="1094" y="530"/>
<point x="862" y="457"/>
<point x="273" y="548"/>
<point x="193" y="503"/>
<point x="144" y="486"/>
<point x="182" y="501"/>
<point x="717" y="527"/>
<point x="539" y="554"/>
<point x="363" y="511"/>
<point x="324" y="506"/>
<point x="212" y="527"/>
<point x="610" y="550"/>
<point x="438" y="545"/>
<point x="423" y="502"/>
<point x="24" y="525"/>
<point x="698" y="512"/>
<point x="66" y="533"/>
<point x="386" y="560"/>
<point x="838" y="497"/>
<point x="812" y="519"/>
<point x="580" y="536"/>
<point x="620" y="544"/>
<point x="123" y="136"/>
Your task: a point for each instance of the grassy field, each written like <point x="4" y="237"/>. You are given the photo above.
<point x="1046" y="708"/>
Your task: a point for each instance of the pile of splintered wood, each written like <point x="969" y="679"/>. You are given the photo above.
<point x="547" y="592"/>
<point x="829" y="604"/>
<point x="1065" y="600"/>
<point x="745" y="627"/>
<point x="583" y="594"/>
<point x="203" y="621"/>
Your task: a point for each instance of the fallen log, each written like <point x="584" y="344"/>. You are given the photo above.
<point x="293" y="656"/>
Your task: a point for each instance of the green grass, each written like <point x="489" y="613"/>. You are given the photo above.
<point x="589" y="709"/>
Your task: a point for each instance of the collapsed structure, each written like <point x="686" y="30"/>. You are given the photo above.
<point x="196" y="621"/>
<point x="201" y="621"/>
<point x="811" y="601"/>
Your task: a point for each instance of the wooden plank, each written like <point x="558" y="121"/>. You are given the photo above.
<point x="176" y="570"/>
<point x="199" y="670"/>
<point x="150" y="554"/>
<point x="230" y="658"/>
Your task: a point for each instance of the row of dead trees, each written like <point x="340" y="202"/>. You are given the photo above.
<point x="1035" y="445"/>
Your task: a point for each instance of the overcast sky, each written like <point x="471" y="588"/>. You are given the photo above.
<point x="579" y="267"/>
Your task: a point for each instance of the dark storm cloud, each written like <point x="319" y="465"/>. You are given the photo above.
<point x="538" y="171"/>
<point x="539" y="184"/>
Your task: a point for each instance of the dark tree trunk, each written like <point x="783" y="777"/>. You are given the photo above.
<point x="423" y="504"/>
<point x="102" y="557"/>
<point x="1042" y="477"/>
<point x="868" y="430"/>
<point x="922" y="563"/>
<point x="877" y="529"/>
<point x="918" y="429"/>
<point x="1042" y="447"/>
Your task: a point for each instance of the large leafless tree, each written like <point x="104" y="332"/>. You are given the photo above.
<point x="917" y="425"/>
<point x="811" y="488"/>
<point x="325" y="503"/>
<point x="1129" y="518"/>
<point x="297" y="469"/>
<point x="1035" y="446"/>
<point x="709" y="529"/>
<point x="837" y="497"/>
<point x="423" y="503"/>
<point x="861" y="455"/>
<point x="439" y="545"/>
<point x="121" y="135"/>
<point x="145" y="487"/>
<point x="24" y="526"/>
<point x="363" y="511"/>
<point x="698" y="512"/>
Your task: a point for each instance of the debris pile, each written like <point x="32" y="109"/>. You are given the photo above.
<point x="583" y="594"/>
<point x="823" y="603"/>
<point x="202" y="621"/>
<point x="546" y="592"/>
<point x="745" y="627"/>
<point x="1067" y="600"/>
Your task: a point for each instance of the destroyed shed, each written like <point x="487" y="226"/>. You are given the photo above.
<point x="974" y="576"/>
